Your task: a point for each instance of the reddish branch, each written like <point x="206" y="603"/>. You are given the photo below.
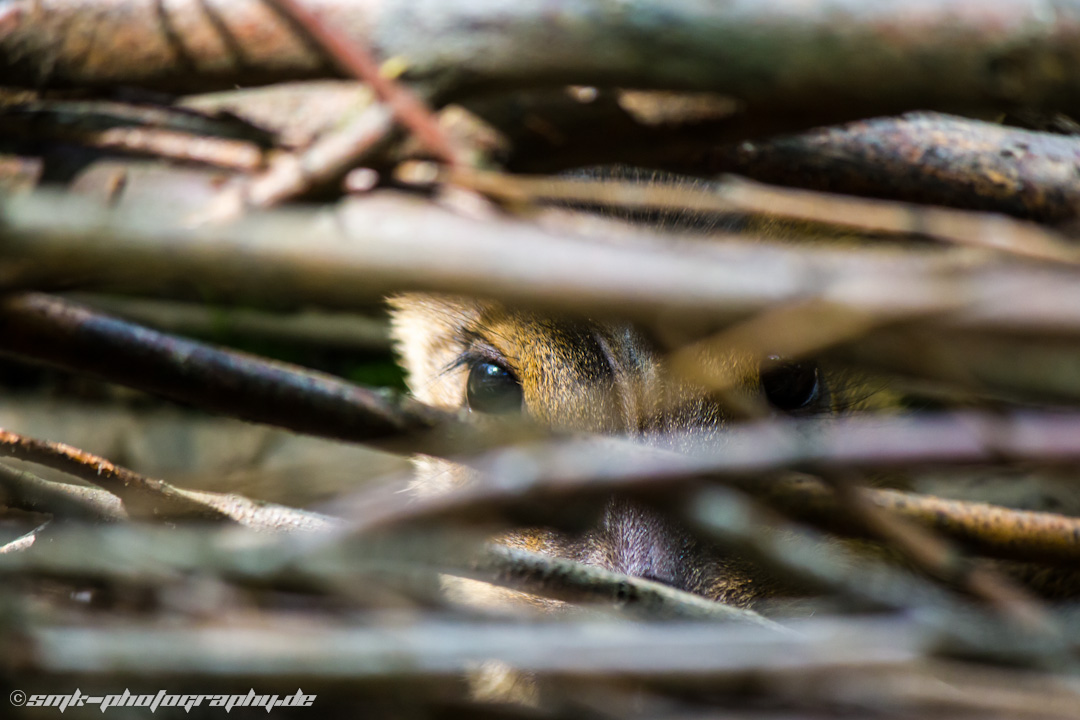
<point x="142" y="496"/>
<point x="353" y="56"/>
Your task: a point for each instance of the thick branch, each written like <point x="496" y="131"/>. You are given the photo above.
<point x="922" y="157"/>
<point x="389" y="243"/>
<point x="544" y="475"/>
<point x="853" y="57"/>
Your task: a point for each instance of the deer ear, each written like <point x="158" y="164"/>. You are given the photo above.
<point x="427" y="332"/>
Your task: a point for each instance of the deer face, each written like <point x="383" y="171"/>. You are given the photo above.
<point x="595" y="377"/>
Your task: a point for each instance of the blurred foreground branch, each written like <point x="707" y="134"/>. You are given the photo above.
<point x="854" y="59"/>
<point x="388" y="243"/>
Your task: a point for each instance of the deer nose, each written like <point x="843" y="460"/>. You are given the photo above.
<point x="641" y="542"/>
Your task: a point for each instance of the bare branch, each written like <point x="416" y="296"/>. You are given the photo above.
<point x="530" y="476"/>
<point x="142" y="496"/>
<point x="925" y="158"/>
<point x="376" y="652"/>
<point x="49" y="329"/>
<point x="852" y="58"/>
<point x="573" y="582"/>
<point x="25" y="490"/>
<point x="986" y="529"/>
<point x="352" y="56"/>
<point x="386" y="243"/>
<point x="737" y="195"/>
<point x="150" y="498"/>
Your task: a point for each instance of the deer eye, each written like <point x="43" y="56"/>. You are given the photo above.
<point x="493" y="389"/>
<point x="790" y="386"/>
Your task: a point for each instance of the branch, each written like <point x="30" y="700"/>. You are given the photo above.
<point x="544" y="475"/>
<point x="51" y="330"/>
<point x="573" y="582"/>
<point x="142" y="496"/>
<point x="27" y="491"/>
<point x="355" y="58"/>
<point x="145" y="497"/>
<point x="388" y="243"/>
<point x="852" y="58"/>
<point x="922" y="158"/>
<point x="990" y="530"/>
<point x="736" y="195"/>
<point x="432" y="650"/>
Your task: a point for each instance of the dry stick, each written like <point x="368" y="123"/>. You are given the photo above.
<point x="854" y="58"/>
<point x="530" y="476"/>
<point x="23" y="542"/>
<point x="573" y="582"/>
<point x="164" y="132"/>
<point x="807" y="559"/>
<point x="61" y="333"/>
<point x="986" y="529"/>
<point x="737" y="195"/>
<point x="353" y="56"/>
<point x="336" y="152"/>
<point x="921" y="158"/>
<point x="938" y="558"/>
<point x="428" y="649"/>
<point x="964" y="228"/>
<point x="385" y="243"/>
<point x="152" y="142"/>
<point x="142" y="496"/>
<point x="293" y="174"/>
<point x="30" y="492"/>
<point x="151" y="498"/>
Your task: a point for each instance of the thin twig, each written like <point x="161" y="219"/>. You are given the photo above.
<point x="353" y="56"/>
<point x="150" y="498"/>
<point x="996" y="232"/>
<point x="23" y="542"/>
<point x="991" y="530"/>
<point x="142" y="496"/>
<point x="737" y="195"/>
<point x="293" y="174"/>
<point x="938" y="558"/>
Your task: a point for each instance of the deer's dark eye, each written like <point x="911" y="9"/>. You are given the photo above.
<point x="790" y="386"/>
<point x="491" y="388"/>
